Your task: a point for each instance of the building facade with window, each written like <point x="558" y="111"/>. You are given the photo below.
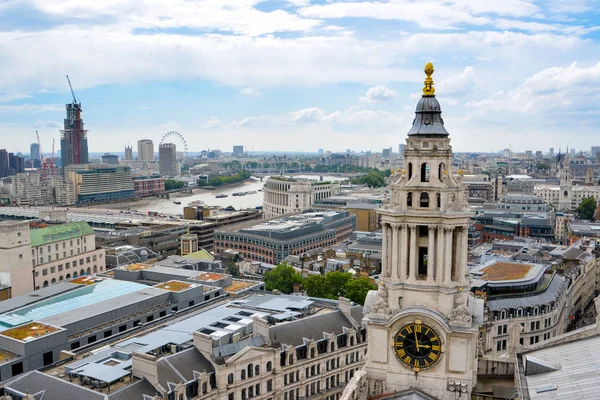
<point x="284" y="195"/>
<point x="148" y="185"/>
<point x="36" y="258"/>
<point x="63" y="252"/>
<point x="545" y="300"/>
<point x="248" y="348"/>
<point x="100" y="182"/>
<point x="273" y="240"/>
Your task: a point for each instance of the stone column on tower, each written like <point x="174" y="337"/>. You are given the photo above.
<point x="464" y="245"/>
<point x="412" y="265"/>
<point x="403" y="251"/>
<point x="448" y="261"/>
<point x="384" y="253"/>
<point x="439" y="266"/>
<point x="431" y="254"/>
<point x="395" y="245"/>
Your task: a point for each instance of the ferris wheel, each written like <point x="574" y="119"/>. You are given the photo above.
<point x="180" y="138"/>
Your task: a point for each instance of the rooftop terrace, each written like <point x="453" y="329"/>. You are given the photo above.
<point x="137" y="267"/>
<point x="175" y="286"/>
<point x="85" y="280"/>
<point x="502" y="271"/>
<point x="30" y="331"/>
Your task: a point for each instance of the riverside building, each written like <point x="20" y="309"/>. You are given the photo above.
<point x="284" y="195"/>
<point x="100" y="182"/>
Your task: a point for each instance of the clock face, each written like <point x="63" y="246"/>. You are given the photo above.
<point x="418" y="346"/>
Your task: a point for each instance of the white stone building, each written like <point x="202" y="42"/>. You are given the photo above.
<point x="41" y="257"/>
<point x="284" y="195"/>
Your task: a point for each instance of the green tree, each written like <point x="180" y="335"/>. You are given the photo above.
<point x="357" y="289"/>
<point x="587" y="209"/>
<point x="373" y="179"/>
<point x="337" y="282"/>
<point x="232" y="269"/>
<point x="283" y="277"/>
<point x="543" y="165"/>
<point x="172" y="184"/>
<point x="316" y="286"/>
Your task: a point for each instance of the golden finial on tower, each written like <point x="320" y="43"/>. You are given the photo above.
<point x="429" y="90"/>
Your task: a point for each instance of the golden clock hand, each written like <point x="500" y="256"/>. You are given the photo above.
<point x="425" y="346"/>
<point x="417" y="341"/>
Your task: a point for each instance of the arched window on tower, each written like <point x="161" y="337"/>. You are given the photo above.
<point x="566" y="193"/>
<point x="424" y="200"/>
<point x="409" y="199"/>
<point x="424" y="172"/>
<point x="438" y="198"/>
<point x="409" y="171"/>
<point x="441" y="169"/>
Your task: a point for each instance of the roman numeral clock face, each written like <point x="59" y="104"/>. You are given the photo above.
<point x="418" y="346"/>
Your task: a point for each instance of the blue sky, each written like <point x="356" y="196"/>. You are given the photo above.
<point x="301" y="74"/>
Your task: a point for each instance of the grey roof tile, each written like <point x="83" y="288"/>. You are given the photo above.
<point x="52" y="388"/>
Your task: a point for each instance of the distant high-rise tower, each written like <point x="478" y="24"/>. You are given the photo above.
<point x="111" y="159"/>
<point x="401" y="148"/>
<point x="128" y="153"/>
<point x="238" y="150"/>
<point x="16" y="163"/>
<point x="551" y="152"/>
<point x="73" y="139"/>
<point x="34" y="154"/>
<point x="167" y="158"/>
<point x="3" y="163"/>
<point x="145" y="150"/>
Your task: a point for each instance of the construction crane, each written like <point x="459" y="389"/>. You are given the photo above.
<point x="41" y="154"/>
<point x="75" y="100"/>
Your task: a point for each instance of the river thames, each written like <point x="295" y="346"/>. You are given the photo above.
<point x="167" y="206"/>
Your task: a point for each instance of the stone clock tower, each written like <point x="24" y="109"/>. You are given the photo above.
<point x="421" y="334"/>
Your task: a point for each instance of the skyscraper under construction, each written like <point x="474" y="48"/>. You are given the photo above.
<point x="73" y="139"/>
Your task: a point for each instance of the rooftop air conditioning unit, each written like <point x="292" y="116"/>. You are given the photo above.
<point x="236" y="337"/>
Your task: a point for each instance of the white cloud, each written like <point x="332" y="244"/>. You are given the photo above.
<point x="47" y="124"/>
<point x="235" y="16"/>
<point x="250" y="122"/>
<point x="312" y="114"/>
<point x="8" y="97"/>
<point x="530" y="26"/>
<point x="171" y="126"/>
<point x="378" y="93"/>
<point x="457" y="85"/>
<point x="426" y="14"/>
<point x="30" y="108"/>
<point x="298" y="3"/>
<point x="213" y="122"/>
<point x="250" y="92"/>
<point x="546" y="95"/>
